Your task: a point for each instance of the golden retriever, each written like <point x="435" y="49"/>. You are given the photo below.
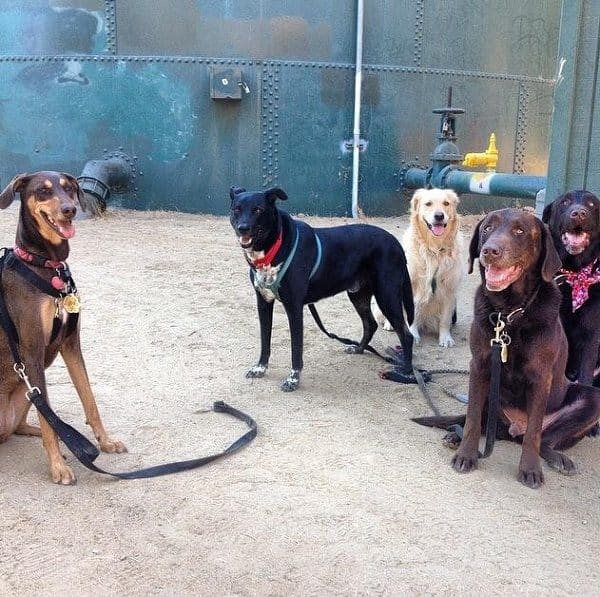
<point x="434" y="251"/>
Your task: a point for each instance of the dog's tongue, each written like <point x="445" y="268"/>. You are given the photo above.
<point x="437" y="229"/>
<point x="575" y="242"/>
<point x="66" y="229"/>
<point x="497" y="277"/>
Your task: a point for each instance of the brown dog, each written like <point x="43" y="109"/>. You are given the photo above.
<point x="44" y="327"/>
<point x="539" y="406"/>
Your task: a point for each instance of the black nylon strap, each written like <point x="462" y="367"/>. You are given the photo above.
<point x="86" y="452"/>
<point x="493" y="401"/>
<point x="31" y="277"/>
<point x="347" y="341"/>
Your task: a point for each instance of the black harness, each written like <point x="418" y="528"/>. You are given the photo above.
<point x="78" y="444"/>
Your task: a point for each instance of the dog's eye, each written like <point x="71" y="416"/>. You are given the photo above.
<point x="565" y="202"/>
<point x="237" y="211"/>
<point x="518" y="230"/>
<point x="487" y="228"/>
<point x="257" y="210"/>
<point x="446" y="203"/>
<point x="44" y="193"/>
<point x="428" y="204"/>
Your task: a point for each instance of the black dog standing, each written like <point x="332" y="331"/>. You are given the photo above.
<point x="574" y="220"/>
<point x="298" y="265"/>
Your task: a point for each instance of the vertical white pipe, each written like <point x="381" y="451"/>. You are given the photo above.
<point x="357" y="92"/>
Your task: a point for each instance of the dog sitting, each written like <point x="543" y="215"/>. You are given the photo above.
<point x="433" y="245"/>
<point x="538" y="405"/>
<point x="574" y="220"/>
<point x="298" y="265"/>
<point x="41" y="302"/>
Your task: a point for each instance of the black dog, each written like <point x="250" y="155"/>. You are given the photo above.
<point x="299" y="265"/>
<point x="574" y="220"/>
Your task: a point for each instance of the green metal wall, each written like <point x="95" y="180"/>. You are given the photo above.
<point x="85" y="79"/>
<point x="575" y="146"/>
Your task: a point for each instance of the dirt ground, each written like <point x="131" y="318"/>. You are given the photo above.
<point x="340" y="494"/>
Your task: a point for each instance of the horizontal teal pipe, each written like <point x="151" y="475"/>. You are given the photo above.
<point x="479" y="183"/>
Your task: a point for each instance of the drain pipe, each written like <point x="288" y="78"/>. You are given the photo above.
<point x="357" y="98"/>
<point x="100" y="178"/>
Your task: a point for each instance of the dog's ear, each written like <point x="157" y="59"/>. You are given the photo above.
<point x="474" y="246"/>
<point x="547" y="213"/>
<point x="416" y="198"/>
<point x="551" y="261"/>
<point x="12" y="188"/>
<point x="452" y="196"/>
<point x="275" y="193"/>
<point x="233" y="191"/>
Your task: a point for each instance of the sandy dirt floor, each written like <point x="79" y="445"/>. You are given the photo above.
<point x="340" y="494"/>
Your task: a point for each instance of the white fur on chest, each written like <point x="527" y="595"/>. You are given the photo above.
<point x="264" y="277"/>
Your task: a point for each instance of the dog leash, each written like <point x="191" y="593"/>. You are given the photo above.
<point x="79" y="445"/>
<point x="347" y="341"/>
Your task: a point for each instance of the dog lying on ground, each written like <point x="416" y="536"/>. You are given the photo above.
<point x="574" y="220"/>
<point x="433" y="245"/>
<point x="539" y="406"/>
<point x="46" y="324"/>
<point x="299" y="265"/>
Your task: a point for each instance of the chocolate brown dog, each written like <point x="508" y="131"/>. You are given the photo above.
<point x="41" y="301"/>
<point x="574" y="220"/>
<point x="538" y="404"/>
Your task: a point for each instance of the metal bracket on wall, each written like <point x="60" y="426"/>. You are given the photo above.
<point x="348" y="145"/>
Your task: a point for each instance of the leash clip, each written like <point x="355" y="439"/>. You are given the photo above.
<point x="20" y="371"/>
<point x="501" y="338"/>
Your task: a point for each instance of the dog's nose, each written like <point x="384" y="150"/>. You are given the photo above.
<point x="491" y="251"/>
<point x="68" y="211"/>
<point x="579" y="213"/>
<point x="438" y="216"/>
<point x="243" y="228"/>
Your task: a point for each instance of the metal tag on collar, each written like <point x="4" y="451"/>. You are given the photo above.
<point x="71" y="303"/>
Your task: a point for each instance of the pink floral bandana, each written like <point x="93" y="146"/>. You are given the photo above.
<point x="580" y="283"/>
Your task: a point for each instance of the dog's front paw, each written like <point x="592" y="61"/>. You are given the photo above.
<point x="256" y="371"/>
<point x="446" y="340"/>
<point x="292" y="381"/>
<point x="532" y="478"/>
<point x="464" y="464"/>
<point x="62" y="474"/>
<point x="111" y="446"/>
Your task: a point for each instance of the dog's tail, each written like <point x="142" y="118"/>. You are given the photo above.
<point x="442" y="422"/>
<point x="408" y="301"/>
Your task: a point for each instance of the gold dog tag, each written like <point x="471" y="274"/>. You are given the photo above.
<point x="71" y="303"/>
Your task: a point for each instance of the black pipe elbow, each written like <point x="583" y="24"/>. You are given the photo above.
<point x="100" y="178"/>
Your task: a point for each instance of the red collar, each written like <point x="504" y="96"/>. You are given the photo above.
<point x="269" y="255"/>
<point x="39" y="261"/>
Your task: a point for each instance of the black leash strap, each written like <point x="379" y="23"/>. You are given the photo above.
<point x="80" y="446"/>
<point x="493" y="401"/>
<point x="86" y="452"/>
<point x="347" y="341"/>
